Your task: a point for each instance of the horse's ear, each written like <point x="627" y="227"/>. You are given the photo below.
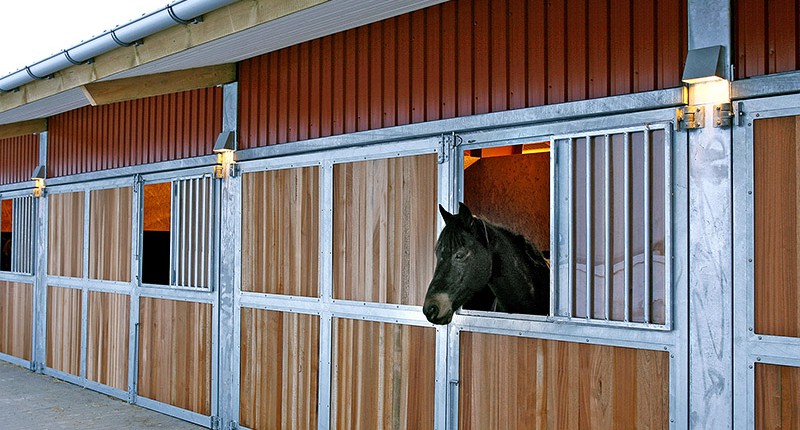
<point x="464" y="213"/>
<point x="446" y="216"/>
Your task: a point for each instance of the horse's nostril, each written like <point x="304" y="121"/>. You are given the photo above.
<point x="431" y="310"/>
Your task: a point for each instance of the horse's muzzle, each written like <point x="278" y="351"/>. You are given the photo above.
<point x="438" y="309"/>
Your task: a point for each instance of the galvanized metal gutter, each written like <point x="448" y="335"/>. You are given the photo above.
<point x="177" y="12"/>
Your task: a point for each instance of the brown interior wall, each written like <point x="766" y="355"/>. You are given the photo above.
<point x="6" y="215"/>
<point x="513" y="191"/>
<point x="64" y="329"/>
<point x="19" y="156"/>
<point x="280" y="232"/>
<point x="175" y="353"/>
<point x="65" y="234"/>
<point x="110" y="234"/>
<point x="107" y="339"/>
<point x="384" y="375"/>
<point x="766" y="37"/>
<point x="777" y="397"/>
<point x="384" y="229"/>
<point x="279" y="370"/>
<point x="776" y="152"/>
<point x="157" y="206"/>
<point x="460" y="58"/>
<point x="16" y="319"/>
<point x="148" y="130"/>
<point x="518" y="383"/>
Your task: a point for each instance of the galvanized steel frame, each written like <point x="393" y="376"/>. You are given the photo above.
<point x="751" y="347"/>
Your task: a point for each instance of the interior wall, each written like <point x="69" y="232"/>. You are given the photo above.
<point x="16" y="319"/>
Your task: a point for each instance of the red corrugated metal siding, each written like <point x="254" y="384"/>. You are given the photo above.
<point x="460" y="58"/>
<point x="19" y="156"/>
<point x="766" y="37"/>
<point x="148" y="130"/>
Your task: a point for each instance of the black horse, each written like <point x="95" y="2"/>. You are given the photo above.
<point x="480" y="265"/>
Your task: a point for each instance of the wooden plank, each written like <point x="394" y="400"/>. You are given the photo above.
<point x="175" y="353"/>
<point x="23" y="127"/>
<point x="417" y="64"/>
<point x="106" y="92"/>
<point x="279" y="370"/>
<point x="777" y="397"/>
<point x="598" y="49"/>
<point x="110" y="234"/>
<point x="65" y="234"/>
<point x="385" y="214"/>
<point x="782" y="37"/>
<point x="464" y="54"/>
<point x="390" y="73"/>
<point x="644" y="46"/>
<point x="481" y="72"/>
<point x="521" y="383"/>
<point x="575" y="50"/>
<point x="64" y="330"/>
<point x="517" y="55"/>
<point x="107" y="339"/>
<point x="16" y="319"/>
<point x="537" y="53"/>
<point x="404" y="76"/>
<point x="499" y="55"/>
<point x="556" y="56"/>
<point x="384" y="375"/>
<point x="280" y="237"/>
<point x="621" y="41"/>
<point x="777" y="245"/>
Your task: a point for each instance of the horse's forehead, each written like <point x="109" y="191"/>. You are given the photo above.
<point x="452" y="237"/>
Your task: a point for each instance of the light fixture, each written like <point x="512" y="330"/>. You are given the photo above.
<point x="38" y="176"/>
<point x="225" y="147"/>
<point x="704" y="65"/>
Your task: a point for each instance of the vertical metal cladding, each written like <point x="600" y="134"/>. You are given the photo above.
<point x="149" y="130"/>
<point x="766" y="37"/>
<point x="19" y="156"/>
<point x="460" y="58"/>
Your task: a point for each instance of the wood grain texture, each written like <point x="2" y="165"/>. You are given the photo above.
<point x="777" y="397"/>
<point x="107" y="339"/>
<point x="383" y="375"/>
<point x="460" y="58"/>
<point x="776" y="158"/>
<point x="16" y="319"/>
<point x="519" y="383"/>
<point x="110" y="233"/>
<point x="65" y="234"/>
<point x="280" y="232"/>
<point x="279" y="370"/>
<point x="175" y="353"/>
<point x="64" y="329"/>
<point x="384" y="229"/>
<point x="34" y="126"/>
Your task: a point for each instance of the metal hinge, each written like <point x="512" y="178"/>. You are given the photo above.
<point x="233" y="425"/>
<point x="215" y="423"/>
<point x="740" y="114"/>
<point x="447" y="143"/>
<point x="689" y="117"/>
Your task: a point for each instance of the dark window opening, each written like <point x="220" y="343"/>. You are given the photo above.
<point x="156" y="233"/>
<point x="6" y="235"/>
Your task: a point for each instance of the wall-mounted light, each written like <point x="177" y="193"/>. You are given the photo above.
<point x="225" y="148"/>
<point x="707" y="83"/>
<point x="38" y="176"/>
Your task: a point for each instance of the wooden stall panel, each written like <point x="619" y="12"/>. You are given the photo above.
<point x="64" y="329"/>
<point x="519" y="383"/>
<point x="383" y="375"/>
<point x="65" y="234"/>
<point x="384" y="229"/>
<point x="280" y="232"/>
<point x="279" y="370"/>
<point x="175" y="353"/>
<point x="16" y="319"/>
<point x="776" y="155"/>
<point x="110" y="234"/>
<point x="777" y="397"/>
<point x="107" y="339"/>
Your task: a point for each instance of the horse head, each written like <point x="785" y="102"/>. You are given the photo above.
<point x="463" y="265"/>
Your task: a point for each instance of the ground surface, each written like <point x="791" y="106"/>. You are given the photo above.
<point x="32" y="401"/>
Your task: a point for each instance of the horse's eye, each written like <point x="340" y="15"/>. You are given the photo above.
<point x="460" y="255"/>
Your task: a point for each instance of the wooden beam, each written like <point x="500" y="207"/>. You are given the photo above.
<point x="101" y="93"/>
<point x="22" y="128"/>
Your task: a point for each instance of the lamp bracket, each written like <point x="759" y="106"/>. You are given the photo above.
<point x="689" y="117"/>
<point x="723" y="115"/>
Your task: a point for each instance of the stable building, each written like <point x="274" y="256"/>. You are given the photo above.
<point x="226" y="211"/>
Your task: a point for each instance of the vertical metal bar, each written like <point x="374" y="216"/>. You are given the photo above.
<point x="589" y="229"/>
<point x="173" y="244"/>
<point x="196" y="230"/>
<point x="326" y="293"/>
<point x="627" y="221"/>
<point x="648" y="247"/>
<point x="84" y="329"/>
<point x="191" y="231"/>
<point x="14" y="232"/>
<point x="554" y="223"/>
<point x="86" y="213"/>
<point x="137" y="214"/>
<point x="203" y="214"/>
<point x="668" y="223"/>
<point x="214" y="216"/>
<point x="182" y="232"/>
<point x="609" y="257"/>
<point x="572" y="210"/>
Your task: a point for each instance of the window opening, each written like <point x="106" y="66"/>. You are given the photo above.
<point x="156" y="233"/>
<point x="16" y="235"/>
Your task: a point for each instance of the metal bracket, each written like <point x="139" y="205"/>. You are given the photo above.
<point x="215" y="423"/>
<point x="689" y="118"/>
<point x="723" y="115"/>
<point x="740" y="114"/>
<point x="446" y="144"/>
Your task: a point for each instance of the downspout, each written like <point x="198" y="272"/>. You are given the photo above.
<point x="178" y="12"/>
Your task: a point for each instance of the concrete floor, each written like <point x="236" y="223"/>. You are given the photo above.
<point x="33" y="401"/>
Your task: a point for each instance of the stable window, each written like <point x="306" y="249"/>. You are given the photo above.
<point x="16" y="234"/>
<point x="178" y="232"/>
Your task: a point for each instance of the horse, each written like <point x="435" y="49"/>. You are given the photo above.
<point x="480" y="265"/>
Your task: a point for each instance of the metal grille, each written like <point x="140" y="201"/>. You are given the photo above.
<point x="193" y="215"/>
<point x="22" y="227"/>
<point x="613" y="196"/>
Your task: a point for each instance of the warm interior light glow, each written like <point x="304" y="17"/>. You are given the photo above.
<point x="693" y="81"/>
<point x="225" y="159"/>
<point x="710" y="92"/>
<point x="474" y="155"/>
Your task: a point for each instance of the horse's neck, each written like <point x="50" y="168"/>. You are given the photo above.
<point x="511" y="279"/>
